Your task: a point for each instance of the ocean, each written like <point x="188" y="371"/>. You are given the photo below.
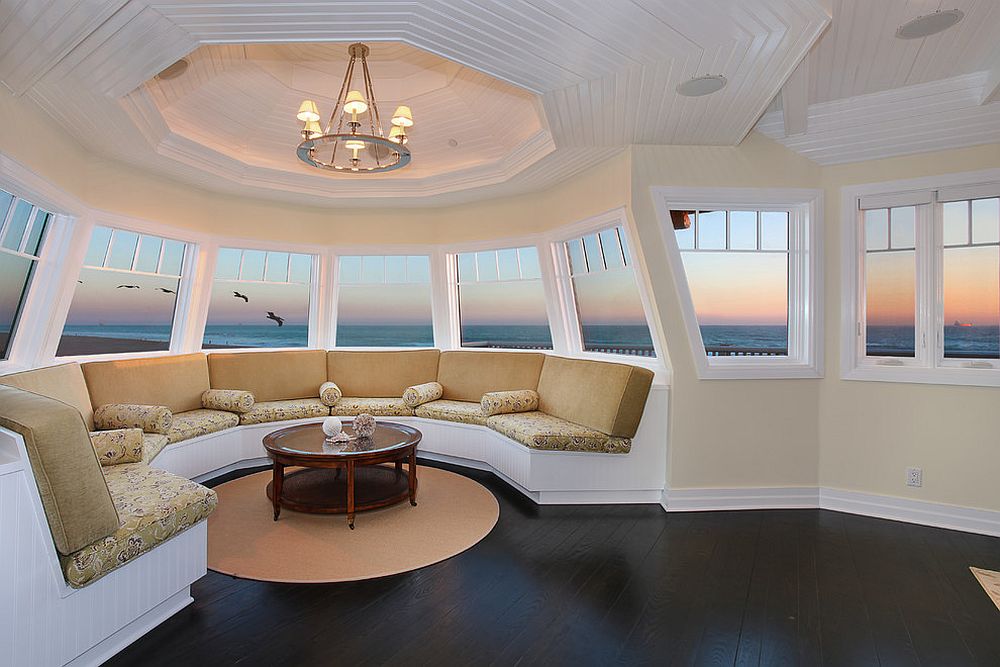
<point x="977" y="342"/>
<point x="727" y="339"/>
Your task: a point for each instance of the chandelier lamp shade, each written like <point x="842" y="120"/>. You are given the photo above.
<point x="353" y="140"/>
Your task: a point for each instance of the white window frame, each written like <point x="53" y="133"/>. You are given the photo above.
<point x="382" y="251"/>
<point x="805" y="277"/>
<point x="206" y="282"/>
<point x="929" y="365"/>
<point x="566" y="297"/>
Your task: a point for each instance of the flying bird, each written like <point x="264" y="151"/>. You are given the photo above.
<point x="272" y="316"/>
<point x="128" y="287"/>
<point x="241" y="296"/>
<point x="165" y="290"/>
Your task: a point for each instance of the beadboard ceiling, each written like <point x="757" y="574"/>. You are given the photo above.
<point x="861" y="93"/>
<point x="532" y="91"/>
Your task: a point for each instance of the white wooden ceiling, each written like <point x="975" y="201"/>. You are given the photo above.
<point x="531" y="90"/>
<point x="865" y="94"/>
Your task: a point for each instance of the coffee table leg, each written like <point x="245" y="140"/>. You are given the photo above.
<point x="413" y="478"/>
<point x="278" y="480"/>
<point x="350" y="494"/>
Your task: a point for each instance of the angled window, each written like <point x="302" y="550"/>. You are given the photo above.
<point x="22" y="231"/>
<point x="746" y="263"/>
<point x="384" y="301"/>
<point x="260" y="298"/>
<point x="608" y="306"/>
<point x="501" y="300"/>
<point x="737" y="266"/>
<point x="126" y="295"/>
<point x="926" y="298"/>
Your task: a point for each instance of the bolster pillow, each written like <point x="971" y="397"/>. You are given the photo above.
<point x="149" y="418"/>
<point x="505" y="402"/>
<point x="121" y="445"/>
<point x="231" y="400"/>
<point x="330" y="393"/>
<point x="422" y="393"/>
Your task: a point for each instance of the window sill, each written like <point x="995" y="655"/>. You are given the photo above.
<point x="762" y="370"/>
<point x="970" y="377"/>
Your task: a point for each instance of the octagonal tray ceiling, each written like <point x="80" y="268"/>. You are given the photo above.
<point x="508" y="96"/>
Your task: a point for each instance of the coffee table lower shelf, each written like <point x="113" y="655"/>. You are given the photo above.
<point x="325" y="490"/>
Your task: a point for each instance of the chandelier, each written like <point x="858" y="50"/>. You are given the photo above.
<point x="361" y="147"/>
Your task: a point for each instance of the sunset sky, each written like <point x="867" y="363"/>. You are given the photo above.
<point x="399" y="304"/>
<point x="290" y="301"/>
<point x="12" y="273"/>
<point x="738" y="288"/>
<point x="98" y="300"/>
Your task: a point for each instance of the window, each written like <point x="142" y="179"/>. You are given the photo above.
<point x="926" y="265"/>
<point x="126" y="294"/>
<point x="22" y="230"/>
<point x="384" y="301"/>
<point x="608" y="307"/>
<point x="501" y="300"/>
<point x="747" y="266"/>
<point x="259" y="299"/>
<point x="736" y="263"/>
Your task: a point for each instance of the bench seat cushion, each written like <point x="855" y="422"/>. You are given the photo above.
<point x="541" y="431"/>
<point x="193" y="423"/>
<point x="276" y="411"/>
<point x="465" y="412"/>
<point x="152" y="444"/>
<point x="350" y="406"/>
<point x="153" y="506"/>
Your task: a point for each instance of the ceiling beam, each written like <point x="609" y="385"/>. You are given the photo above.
<point x="991" y="89"/>
<point x="795" y="100"/>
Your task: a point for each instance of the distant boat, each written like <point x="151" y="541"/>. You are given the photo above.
<point x="962" y="324"/>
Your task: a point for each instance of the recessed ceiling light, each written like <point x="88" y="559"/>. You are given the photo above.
<point x="702" y="85"/>
<point x="930" y="24"/>
<point x="173" y="71"/>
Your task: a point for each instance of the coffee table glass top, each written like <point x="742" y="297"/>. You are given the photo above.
<point x="309" y="439"/>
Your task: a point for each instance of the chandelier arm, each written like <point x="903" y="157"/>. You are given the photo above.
<point x="341" y="95"/>
<point x="373" y="116"/>
<point x="342" y="101"/>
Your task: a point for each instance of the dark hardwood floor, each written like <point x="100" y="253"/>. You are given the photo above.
<point x="600" y="585"/>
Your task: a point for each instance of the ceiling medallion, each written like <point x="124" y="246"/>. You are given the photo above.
<point x="362" y="147"/>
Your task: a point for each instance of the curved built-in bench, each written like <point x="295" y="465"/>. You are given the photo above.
<point x="596" y="434"/>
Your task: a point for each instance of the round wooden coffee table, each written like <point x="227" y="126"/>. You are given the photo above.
<point x="342" y="477"/>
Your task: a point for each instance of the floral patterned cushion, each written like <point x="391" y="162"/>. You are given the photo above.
<point x="330" y="393"/>
<point x="150" y="418"/>
<point x="378" y="407"/>
<point x="506" y="402"/>
<point x="231" y="400"/>
<point x="152" y="444"/>
<point x="465" y="412"/>
<point x="276" y="411"/>
<point x="193" y="423"/>
<point x="541" y="431"/>
<point x="122" y="445"/>
<point x="153" y="506"/>
<point x="422" y="393"/>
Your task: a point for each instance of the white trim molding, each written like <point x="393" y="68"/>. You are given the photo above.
<point x="908" y="510"/>
<point x="805" y="277"/>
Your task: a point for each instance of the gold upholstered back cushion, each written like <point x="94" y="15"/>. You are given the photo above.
<point x="74" y="495"/>
<point x="63" y="382"/>
<point x="362" y="374"/>
<point x="270" y="376"/>
<point x="176" y="381"/>
<point x="605" y="396"/>
<point x="466" y="375"/>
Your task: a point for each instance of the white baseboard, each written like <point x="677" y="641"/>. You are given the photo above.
<point x="938" y="515"/>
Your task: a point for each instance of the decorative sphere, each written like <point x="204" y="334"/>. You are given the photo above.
<point x="364" y="425"/>
<point x="332" y="426"/>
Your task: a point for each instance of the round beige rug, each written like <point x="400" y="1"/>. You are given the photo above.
<point x="452" y="514"/>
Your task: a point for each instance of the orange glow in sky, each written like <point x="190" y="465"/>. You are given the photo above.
<point x="738" y="288"/>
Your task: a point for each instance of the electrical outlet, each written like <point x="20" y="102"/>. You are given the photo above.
<point x="914" y="477"/>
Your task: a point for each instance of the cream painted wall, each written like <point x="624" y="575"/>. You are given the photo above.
<point x="31" y="138"/>
<point x="725" y="433"/>
<point x="870" y="432"/>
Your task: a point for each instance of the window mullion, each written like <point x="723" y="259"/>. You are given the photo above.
<point x="928" y="286"/>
